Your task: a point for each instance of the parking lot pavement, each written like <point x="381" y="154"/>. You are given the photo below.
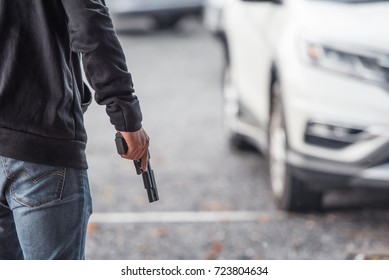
<point x="215" y="203"/>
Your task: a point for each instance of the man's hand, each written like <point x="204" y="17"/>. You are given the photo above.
<point x="138" y="144"/>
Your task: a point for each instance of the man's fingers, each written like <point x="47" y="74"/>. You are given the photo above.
<point x="137" y="143"/>
<point x="144" y="160"/>
<point x="137" y="153"/>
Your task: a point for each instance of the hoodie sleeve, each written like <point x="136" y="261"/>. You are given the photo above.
<point x="92" y="34"/>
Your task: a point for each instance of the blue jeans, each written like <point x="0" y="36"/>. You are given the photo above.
<point x="44" y="211"/>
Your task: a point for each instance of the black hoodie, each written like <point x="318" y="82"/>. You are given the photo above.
<point x="42" y="94"/>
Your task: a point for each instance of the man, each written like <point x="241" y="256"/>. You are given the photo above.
<point x="45" y="200"/>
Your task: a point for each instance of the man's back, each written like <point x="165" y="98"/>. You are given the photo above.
<point x="38" y="92"/>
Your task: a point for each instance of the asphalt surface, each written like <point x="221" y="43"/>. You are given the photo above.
<point x="215" y="203"/>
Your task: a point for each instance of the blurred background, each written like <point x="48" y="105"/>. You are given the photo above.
<point x="269" y="127"/>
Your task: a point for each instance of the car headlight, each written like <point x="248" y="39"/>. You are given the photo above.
<point x="371" y="66"/>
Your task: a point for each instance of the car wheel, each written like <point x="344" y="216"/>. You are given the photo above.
<point x="166" y="22"/>
<point x="231" y="112"/>
<point x="291" y="193"/>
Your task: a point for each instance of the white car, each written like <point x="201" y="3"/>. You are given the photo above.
<point x="213" y="16"/>
<point x="165" y="12"/>
<point x="307" y="82"/>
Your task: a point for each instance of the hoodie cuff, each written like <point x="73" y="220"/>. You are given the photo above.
<point x="125" y="116"/>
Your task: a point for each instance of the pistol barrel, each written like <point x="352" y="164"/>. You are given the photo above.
<point x="148" y="176"/>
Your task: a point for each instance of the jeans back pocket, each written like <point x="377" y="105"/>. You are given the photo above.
<point x="35" y="184"/>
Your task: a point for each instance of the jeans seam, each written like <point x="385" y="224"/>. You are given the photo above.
<point x="62" y="183"/>
<point x="82" y="181"/>
<point x="56" y="197"/>
<point x="86" y="213"/>
<point x="36" y="180"/>
<point x="6" y="171"/>
<point x="3" y="200"/>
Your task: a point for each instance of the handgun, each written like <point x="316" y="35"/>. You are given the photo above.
<point x="148" y="176"/>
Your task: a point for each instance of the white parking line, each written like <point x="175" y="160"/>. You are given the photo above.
<point x="181" y="217"/>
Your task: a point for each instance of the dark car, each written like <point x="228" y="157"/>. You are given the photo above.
<point x="166" y="13"/>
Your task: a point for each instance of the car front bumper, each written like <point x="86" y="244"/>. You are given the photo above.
<point x="337" y="128"/>
<point x="325" y="174"/>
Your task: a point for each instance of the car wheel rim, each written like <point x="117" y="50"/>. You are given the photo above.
<point x="278" y="158"/>
<point x="231" y="101"/>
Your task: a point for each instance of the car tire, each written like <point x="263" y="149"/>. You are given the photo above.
<point x="290" y="192"/>
<point x="231" y="112"/>
<point x="166" y="22"/>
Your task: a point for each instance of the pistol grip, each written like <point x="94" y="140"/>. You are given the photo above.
<point x="121" y="144"/>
